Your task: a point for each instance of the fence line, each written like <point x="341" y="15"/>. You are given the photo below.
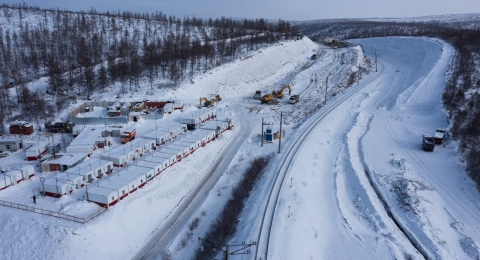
<point x="82" y="220"/>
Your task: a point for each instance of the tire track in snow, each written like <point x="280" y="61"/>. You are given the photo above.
<point x="411" y="237"/>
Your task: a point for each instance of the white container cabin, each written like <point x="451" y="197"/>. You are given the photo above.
<point x="157" y="167"/>
<point x="104" y="197"/>
<point x="178" y="153"/>
<point x="56" y="188"/>
<point x="209" y="134"/>
<point x="118" y="159"/>
<point x="165" y="159"/>
<point x="193" y="145"/>
<point x="10" y="143"/>
<point x="147" y="173"/>
<point x="5" y="181"/>
<point x="178" y="105"/>
<point x="78" y="181"/>
<point x="143" y="146"/>
<point x="180" y="147"/>
<point x="114" y="183"/>
<point x="218" y="126"/>
<point x="81" y="148"/>
<point x="97" y="167"/>
<point x="192" y="138"/>
<point x="16" y="175"/>
<point x="130" y="181"/>
<point x="36" y="151"/>
<point x="159" y="136"/>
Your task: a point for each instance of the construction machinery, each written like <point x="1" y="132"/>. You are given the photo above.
<point x="280" y="94"/>
<point x="269" y="98"/>
<point x="204" y="102"/>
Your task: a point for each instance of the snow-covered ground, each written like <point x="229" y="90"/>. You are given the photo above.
<point x="330" y="210"/>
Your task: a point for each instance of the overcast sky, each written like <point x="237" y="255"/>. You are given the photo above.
<point x="273" y="9"/>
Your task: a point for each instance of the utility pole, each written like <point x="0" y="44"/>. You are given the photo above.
<point x="375" y="60"/>
<point x="280" y="136"/>
<point x="326" y="88"/>
<point x="262" y="132"/>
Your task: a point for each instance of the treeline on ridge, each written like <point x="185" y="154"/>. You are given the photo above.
<point x="84" y="52"/>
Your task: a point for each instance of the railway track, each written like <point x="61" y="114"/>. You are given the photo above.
<point x="268" y="215"/>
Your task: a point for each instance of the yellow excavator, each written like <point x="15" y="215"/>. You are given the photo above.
<point x="206" y="102"/>
<point x="280" y="94"/>
<point x="269" y="98"/>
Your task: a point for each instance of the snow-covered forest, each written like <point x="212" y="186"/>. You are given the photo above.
<point x="85" y="52"/>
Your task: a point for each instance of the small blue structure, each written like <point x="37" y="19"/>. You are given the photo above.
<point x="269" y="135"/>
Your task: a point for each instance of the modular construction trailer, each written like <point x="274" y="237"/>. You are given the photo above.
<point x="166" y="160"/>
<point x="121" y="183"/>
<point x="219" y="126"/>
<point x="156" y="167"/>
<point x="89" y="135"/>
<point x="62" y="184"/>
<point x="62" y="161"/>
<point x="121" y="155"/>
<point x="148" y="173"/>
<point x="192" y="140"/>
<point x="78" y="147"/>
<point x="159" y="136"/>
<point x="54" y="187"/>
<point x="208" y="134"/>
<point x="119" y="159"/>
<point x="102" y="196"/>
<point x="184" y="148"/>
<point x="10" y="143"/>
<point x="13" y="176"/>
<point x="166" y="132"/>
<point x="192" y="145"/>
<point x="110" y="190"/>
<point x="197" y="117"/>
<point x="178" y="153"/>
<point x="143" y="145"/>
<point x="35" y="151"/>
<point x="92" y="169"/>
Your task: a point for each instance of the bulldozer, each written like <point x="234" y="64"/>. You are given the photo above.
<point x="280" y="94"/>
<point x="206" y="102"/>
<point x="269" y="98"/>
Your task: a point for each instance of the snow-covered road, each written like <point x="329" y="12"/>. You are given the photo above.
<point x="334" y="210"/>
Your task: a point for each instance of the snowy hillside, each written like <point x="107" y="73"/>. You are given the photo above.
<point x="358" y="177"/>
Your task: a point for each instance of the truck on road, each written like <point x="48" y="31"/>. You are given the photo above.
<point x="428" y="143"/>
<point x="60" y="127"/>
<point x="294" y="99"/>
<point x="128" y="135"/>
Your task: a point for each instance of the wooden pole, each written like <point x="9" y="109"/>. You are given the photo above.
<point x="262" y="132"/>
